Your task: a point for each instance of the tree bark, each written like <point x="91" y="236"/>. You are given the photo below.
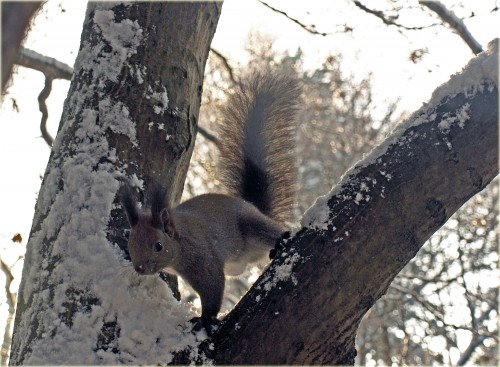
<point x="130" y="115"/>
<point x="306" y="308"/>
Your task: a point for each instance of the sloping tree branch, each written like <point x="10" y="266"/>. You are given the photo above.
<point x="475" y="343"/>
<point x="11" y="302"/>
<point x="209" y="136"/>
<point x="306" y="308"/>
<point x="444" y="13"/>
<point x="455" y="23"/>
<point x="42" y="105"/>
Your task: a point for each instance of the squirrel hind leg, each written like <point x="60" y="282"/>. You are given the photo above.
<point x="258" y="230"/>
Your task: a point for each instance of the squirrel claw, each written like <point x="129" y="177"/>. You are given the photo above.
<point x="279" y="245"/>
<point x="210" y="324"/>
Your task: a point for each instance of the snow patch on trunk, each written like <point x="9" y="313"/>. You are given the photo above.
<point x="88" y="305"/>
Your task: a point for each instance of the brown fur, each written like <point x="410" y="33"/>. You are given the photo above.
<point x="259" y="125"/>
<point x="212" y="235"/>
<point x="215" y="234"/>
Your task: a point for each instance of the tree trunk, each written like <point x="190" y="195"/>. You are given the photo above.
<point x="130" y="115"/>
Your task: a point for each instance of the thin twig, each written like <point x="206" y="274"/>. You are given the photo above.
<point x="225" y="62"/>
<point x="388" y="21"/>
<point x="307" y="28"/>
<point x="209" y="136"/>
<point x="9" y="278"/>
<point x="42" y="98"/>
<point x="11" y="301"/>
<point x="52" y="69"/>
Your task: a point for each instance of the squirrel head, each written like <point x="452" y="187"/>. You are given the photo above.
<point x="152" y="236"/>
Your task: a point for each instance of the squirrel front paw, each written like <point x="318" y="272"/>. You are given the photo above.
<point x="209" y="323"/>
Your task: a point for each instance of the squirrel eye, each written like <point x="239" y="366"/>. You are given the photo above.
<point x="158" y="247"/>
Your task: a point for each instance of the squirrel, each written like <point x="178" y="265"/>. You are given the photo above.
<point x="213" y="235"/>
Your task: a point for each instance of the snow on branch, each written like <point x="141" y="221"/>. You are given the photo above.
<point x="482" y="69"/>
<point x="306" y="307"/>
<point x="79" y="302"/>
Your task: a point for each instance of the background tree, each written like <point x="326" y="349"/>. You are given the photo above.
<point x="446" y="296"/>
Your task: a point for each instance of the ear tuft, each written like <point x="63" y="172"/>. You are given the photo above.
<point x="127" y="198"/>
<point x="161" y="215"/>
<point x="168" y="223"/>
<point x="158" y="202"/>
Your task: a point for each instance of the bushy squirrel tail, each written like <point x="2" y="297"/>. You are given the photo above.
<point x="257" y="150"/>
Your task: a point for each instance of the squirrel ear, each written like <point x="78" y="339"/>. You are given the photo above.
<point x="129" y="204"/>
<point x="168" y="223"/>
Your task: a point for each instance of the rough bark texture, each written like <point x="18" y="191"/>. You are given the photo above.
<point x="311" y="317"/>
<point x="172" y="53"/>
<point x="175" y="55"/>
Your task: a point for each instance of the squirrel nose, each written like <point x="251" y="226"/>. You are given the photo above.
<point x="139" y="269"/>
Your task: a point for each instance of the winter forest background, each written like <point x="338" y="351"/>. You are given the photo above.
<point x="443" y="306"/>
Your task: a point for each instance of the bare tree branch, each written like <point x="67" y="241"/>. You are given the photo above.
<point x="11" y="301"/>
<point x="464" y="358"/>
<point x="208" y="135"/>
<point x="310" y="29"/>
<point x="47" y="65"/>
<point x="389" y="21"/>
<point x="454" y="22"/>
<point x="42" y="98"/>
<point x="52" y="69"/>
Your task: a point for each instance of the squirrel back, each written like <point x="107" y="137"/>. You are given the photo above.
<point x="257" y="157"/>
